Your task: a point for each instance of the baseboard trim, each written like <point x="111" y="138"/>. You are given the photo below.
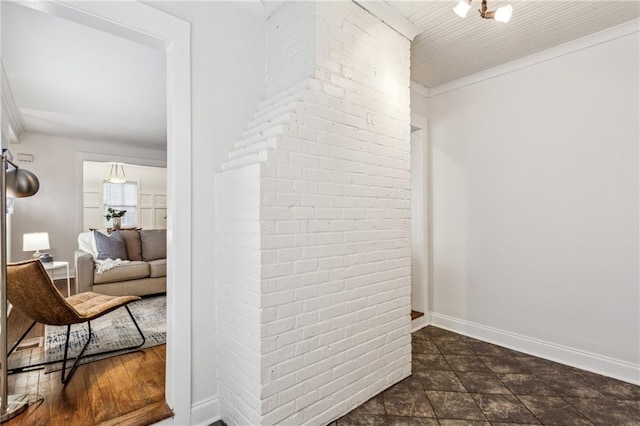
<point x="205" y="412"/>
<point x="609" y="367"/>
<point x="420" y="322"/>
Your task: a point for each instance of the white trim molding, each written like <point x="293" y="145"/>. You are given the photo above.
<point x="391" y="17"/>
<point x="610" y="367"/>
<point x="206" y="412"/>
<point x="555" y="52"/>
<point x="14" y="116"/>
<point x="419" y="89"/>
<point x="420" y="323"/>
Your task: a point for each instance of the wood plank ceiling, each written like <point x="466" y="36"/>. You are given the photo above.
<point x="450" y="47"/>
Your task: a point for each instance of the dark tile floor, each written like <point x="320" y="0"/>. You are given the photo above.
<point x="460" y="381"/>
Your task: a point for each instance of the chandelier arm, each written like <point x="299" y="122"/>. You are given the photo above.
<point x="483" y="9"/>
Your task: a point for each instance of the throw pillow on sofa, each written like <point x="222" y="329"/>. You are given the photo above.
<point x="154" y="244"/>
<point x="132" y="243"/>
<point x="110" y="247"/>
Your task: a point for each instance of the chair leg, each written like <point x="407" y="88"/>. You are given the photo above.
<point x="66" y="377"/>
<point x="137" y="327"/>
<point x="75" y="364"/>
<point x="13" y="348"/>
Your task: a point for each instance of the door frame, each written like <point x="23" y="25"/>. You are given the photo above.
<point x="424" y="234"/>
<point x="146" y="25"/>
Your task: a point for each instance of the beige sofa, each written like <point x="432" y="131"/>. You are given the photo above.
<point x="143" y="273"/>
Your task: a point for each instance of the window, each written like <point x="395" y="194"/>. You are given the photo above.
<point x="122" y="196"/>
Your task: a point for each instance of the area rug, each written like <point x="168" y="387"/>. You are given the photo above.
<point x="112" y="331"/>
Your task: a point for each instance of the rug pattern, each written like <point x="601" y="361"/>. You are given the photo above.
<point x="112" y="331"/>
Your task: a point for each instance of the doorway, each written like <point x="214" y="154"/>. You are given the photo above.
<point x="420" y="223"/>
<point x="147" y="25"/>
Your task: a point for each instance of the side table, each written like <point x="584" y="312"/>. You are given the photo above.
<point x="51" y="266"/>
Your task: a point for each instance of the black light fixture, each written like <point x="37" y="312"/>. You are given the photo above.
<point x="16" y="183"/>
<point x="501" y="14"/>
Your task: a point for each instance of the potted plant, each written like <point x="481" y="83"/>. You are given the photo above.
<point x="116" y="215"/>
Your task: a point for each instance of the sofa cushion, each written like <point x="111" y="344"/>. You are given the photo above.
<point x="154" y="244"/>
<point x="110" y="247"/>
<point x="132" y="244"/>
<point x="158" y="268"/>
<point x="123" y="272"/>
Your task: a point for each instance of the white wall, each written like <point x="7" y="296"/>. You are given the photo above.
<point x="227" y="54"/>
<point x="536" y="204"/>
<point x="152" y="194"/>
<point x="57" y="207"/>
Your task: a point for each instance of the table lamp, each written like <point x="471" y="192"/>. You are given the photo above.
<point x="35" y="242"/>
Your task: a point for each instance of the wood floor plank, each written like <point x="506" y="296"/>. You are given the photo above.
<point x="161" y="351"/>
<point x="134" y="364"/>
<point x="107" y="398"/>
<point x="73" y="397"/>
<point x="93" y="396"/>
<point x="150" y="414"/>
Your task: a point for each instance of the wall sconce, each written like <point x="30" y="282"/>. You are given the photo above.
<point x="501" y="14"/>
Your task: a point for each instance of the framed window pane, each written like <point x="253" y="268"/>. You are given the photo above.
<point x="122" y="196"/>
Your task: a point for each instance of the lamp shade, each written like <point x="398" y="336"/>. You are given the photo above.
<point x="21" y="183"/>
<point x="35" y="241"/>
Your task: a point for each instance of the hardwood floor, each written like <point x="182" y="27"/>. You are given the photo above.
<point x="127" y="389"/>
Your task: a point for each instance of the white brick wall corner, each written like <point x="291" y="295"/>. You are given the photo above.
<point x="313" y="219"/>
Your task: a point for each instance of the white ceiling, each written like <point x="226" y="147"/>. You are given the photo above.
<point x="71" y="80"/>
<point x="75" y="81"/>
<point x="451" y="47"/>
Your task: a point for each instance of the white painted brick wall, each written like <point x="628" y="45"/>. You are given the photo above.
<point x="238" y="293"/>
<point x="314" y="253"/>
<point x="290" y="50"/>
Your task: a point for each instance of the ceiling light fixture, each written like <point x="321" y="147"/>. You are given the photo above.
<point x="117" y="173"/>
<point x="462" y="8"/>
<point x="501" y="14"/>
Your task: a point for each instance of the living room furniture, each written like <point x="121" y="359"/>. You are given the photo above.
<point x="143" y="273"/>
<point x="32" y="292"/>
<point x="52" y="266"/>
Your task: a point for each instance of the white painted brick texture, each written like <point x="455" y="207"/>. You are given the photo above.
<point x="324" y="256"/>
<point x="290" y="51"/>
<point x="238" y="293"/>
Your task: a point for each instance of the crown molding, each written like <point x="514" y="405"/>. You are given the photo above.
<point x="16" y="121"/>
<point x="555" y="52"/>
<point x="391" y="17"/>
<point x="419" y="89"/>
